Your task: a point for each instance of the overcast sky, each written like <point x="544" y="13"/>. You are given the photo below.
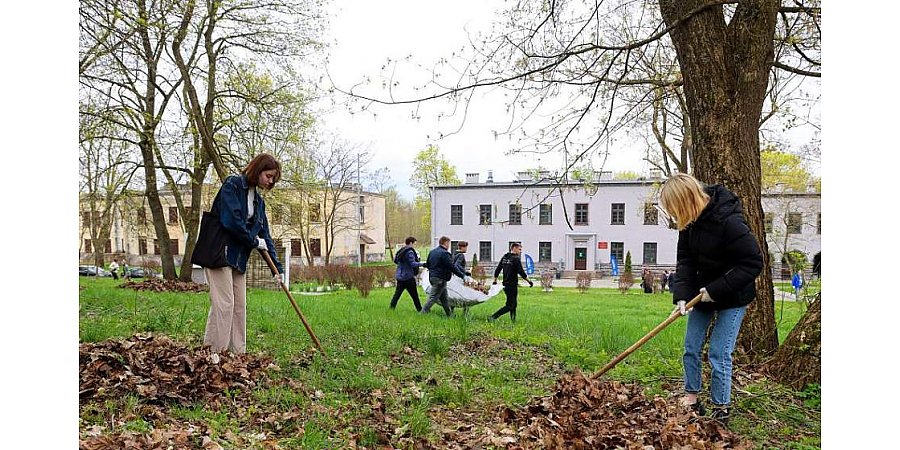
<point x="367" y="33"/>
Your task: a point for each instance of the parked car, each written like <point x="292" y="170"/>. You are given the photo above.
<point x="91" y="271"/>
<point x="141" y="272"/>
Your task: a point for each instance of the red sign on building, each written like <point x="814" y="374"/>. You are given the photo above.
<point x="603" y="245"/>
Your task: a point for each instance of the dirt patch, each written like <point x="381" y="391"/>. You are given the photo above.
<point x="159" y="285"/>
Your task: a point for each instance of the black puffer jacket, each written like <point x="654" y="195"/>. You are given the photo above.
<point x="717" y="251"/>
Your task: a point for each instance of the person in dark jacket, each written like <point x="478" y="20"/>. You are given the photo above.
<point x="242" y="212"/>
<point x="459" y="257"/>
<point x="408" y="264"/>
<point x="719" y="258"/>
<point x="511" y="266"/>
<point x="440" y="268"/>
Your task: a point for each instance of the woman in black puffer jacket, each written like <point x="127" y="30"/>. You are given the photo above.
<point x="719" y="258"/>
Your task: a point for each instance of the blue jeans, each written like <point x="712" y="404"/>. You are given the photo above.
<point x="721" y="345"/>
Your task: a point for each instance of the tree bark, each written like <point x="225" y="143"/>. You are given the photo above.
<point x="798" y="361"/>
<point x="725" y="68"/>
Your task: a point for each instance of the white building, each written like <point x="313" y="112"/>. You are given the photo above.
<point x="608" y="218"/>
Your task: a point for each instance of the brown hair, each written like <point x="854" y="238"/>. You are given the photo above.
<point x="410" y="240"/>
<point x="261" y="163"/>
<point x="443" y="239"/>
<point x="462" y="244"/>
<point x="682" y="197"/>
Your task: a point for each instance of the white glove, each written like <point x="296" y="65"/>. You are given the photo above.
<point x="261" y="244"/>
<point x="279" y="279"/>
<point x="469" y="279"/>
<point x="706" y="297"/>
<point x="681" y="309"/>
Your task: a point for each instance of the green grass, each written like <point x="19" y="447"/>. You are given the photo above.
<point x="423" y="364"/>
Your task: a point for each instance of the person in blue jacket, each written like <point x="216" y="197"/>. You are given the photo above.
<point x="408" y="264"/>
<point x="719" y="258"/>
<point x="440" y="268"/>
<point x="242" y="212"/>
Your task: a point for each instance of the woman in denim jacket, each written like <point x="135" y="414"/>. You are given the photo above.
<point x="719" y="258"/>
<point x="242" y="212"/>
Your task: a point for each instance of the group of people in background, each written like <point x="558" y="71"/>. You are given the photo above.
<point x="442" y="265"/>
<point x="649" y="280"/>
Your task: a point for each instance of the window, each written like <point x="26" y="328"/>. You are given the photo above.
<point x="651" y="214"/>
<point x="515" y="214"/>
<point x="142" y="216"/>
<point x="156" y="246"/>
<point x="581" y="214"/>
<point x="649" y="252"/>
<point x="618" y="214"/>
<point x="545" y="251"/>
<point x="173" y="215"/>
<point x="617" y="250"/>
<point x="768" y="220"/>
<point x="484" y="251"/>
<point x="173" y="246"/>
<point x="454" y="246"/>
<point x="456" y="215"/>
<point x="296" y="247"/>
<point x="794" y="223"/>
<point x="315" y="247"/>
<point x="362" y="209"/>
<point x="87" y="246"/>
<point x="142" y="246"/>
<point x="107" y="246"/>
<point x="315" y="212"/>
<point x="819" y="223"/>
<point x="484" y="214"/>
<point x="546" y="214"/>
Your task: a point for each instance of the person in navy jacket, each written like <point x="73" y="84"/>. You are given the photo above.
<point x="408" y="264"/>
<point x="719" y="258"/>
<point x="242" y="212"/>
<point x="440" y="268"/>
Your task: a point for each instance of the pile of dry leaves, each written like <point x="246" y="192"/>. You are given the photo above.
<point x="158" y="369"/>
<point x="585" y="413"/>
<point x="160" y="285"/>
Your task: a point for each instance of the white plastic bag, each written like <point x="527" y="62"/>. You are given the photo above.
<point x="458" y="294"/>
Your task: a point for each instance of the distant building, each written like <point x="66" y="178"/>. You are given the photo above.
<point x="608" y="217"/>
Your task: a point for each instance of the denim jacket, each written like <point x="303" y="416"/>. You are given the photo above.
<point x="231" y="204"/>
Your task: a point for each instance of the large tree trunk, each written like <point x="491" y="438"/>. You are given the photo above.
<point x="798" y="361"/>
<point x="725" y="68"/>
<point x="192" y="221"/>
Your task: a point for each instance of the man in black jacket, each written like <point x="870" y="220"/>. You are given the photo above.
<point x="440" y="268"/>
<point x="511" y="266"/>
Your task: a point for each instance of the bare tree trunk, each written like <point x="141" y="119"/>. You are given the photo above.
<point x="725" y="68"/>
<point x="798" y="361"/>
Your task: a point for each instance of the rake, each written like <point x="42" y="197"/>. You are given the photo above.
<point x="284" y="287"/>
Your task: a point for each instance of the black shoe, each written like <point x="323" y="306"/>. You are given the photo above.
<point x="721" y="415"/>
<point x="698" y="408"/>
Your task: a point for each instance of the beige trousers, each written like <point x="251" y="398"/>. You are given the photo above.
<point x="226" y="325"/>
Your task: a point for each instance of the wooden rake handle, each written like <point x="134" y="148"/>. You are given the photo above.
<point x="672" y="317"/>
<point x="265" y="255"/>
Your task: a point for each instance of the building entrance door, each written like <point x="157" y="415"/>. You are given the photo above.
<point x="580" y="258"/>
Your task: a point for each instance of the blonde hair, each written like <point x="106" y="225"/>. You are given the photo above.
<point x="682" y="197"/>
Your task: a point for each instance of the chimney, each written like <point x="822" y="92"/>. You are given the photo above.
<point x="472" y="178"/>
<point x="490" y="177"/>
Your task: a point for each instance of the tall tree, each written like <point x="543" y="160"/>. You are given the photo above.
<point x="430" y="168"/>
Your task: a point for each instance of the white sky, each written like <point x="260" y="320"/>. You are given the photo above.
<point x="367" y="33"/>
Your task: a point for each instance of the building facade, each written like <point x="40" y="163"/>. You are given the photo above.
<point x="609" y="218"/>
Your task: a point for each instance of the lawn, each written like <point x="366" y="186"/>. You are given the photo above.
<point x="426" y="371"/>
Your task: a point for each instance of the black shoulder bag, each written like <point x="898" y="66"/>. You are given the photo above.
<point x="210" y="249"/>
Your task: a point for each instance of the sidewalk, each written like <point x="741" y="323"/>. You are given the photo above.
<point x="610" y="282"/>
